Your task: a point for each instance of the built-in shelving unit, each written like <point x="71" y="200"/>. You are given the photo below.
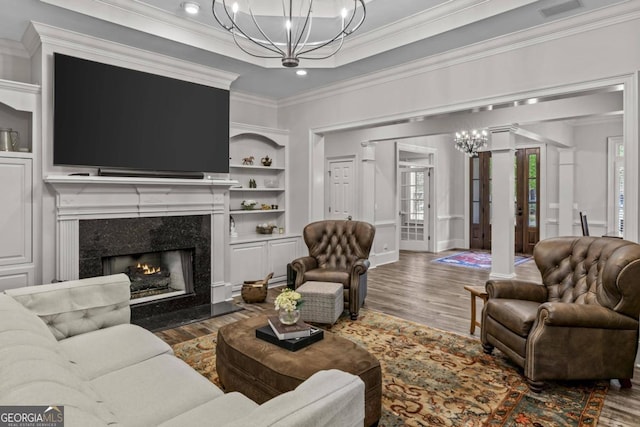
<point x="253" y="255"/>
<point x="20" y="112"/>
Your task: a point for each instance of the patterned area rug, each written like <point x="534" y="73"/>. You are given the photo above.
<point x="475" y="259"/>
<point x="436" y="378"/>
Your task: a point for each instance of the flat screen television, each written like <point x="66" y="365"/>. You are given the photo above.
<point x="112" y="117"/>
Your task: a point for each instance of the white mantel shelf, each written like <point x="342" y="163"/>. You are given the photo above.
<point x="118" y="180"/>
<point x="98" y="197"/>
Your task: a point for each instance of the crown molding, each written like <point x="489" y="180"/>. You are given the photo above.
<point x="181" y="28"/>
<point x="430" y="22"/>
<point x="13" y="48"/>
<point x="152" y="20"/>
<point x="559" y="29"/>
<point x="253" y="99"/>
<point x="19" y="87"/>
<point x="123" y="55"/>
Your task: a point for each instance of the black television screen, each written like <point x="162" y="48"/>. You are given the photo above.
<point x="112" y="117"/>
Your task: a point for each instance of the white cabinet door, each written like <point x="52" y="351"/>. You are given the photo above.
<point x="282" y="252"/>
<point x="248" y="261"/>
<point x="15" y="211"/>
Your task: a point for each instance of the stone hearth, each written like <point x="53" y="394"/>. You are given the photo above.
<point x="102" y="238"/>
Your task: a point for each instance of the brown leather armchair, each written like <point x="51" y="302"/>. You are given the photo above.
<point x="338" y="252"/>
<point x="581" y="323"/>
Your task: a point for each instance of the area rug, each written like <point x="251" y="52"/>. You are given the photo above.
<point x="436" y="378"/>
<point x="475" y="259"/>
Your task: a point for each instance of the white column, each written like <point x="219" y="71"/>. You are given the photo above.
<point x="68" y="249"/>
<point x="220" y="290"/>
<point x="368" y="200"/>
<point x="566" y="169"/>
<point x="503" y="203"/>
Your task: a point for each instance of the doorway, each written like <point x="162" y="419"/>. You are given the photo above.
<point x="341" y="189"/>
<point x="527" y="192"/>
<point x="415" y="194"/>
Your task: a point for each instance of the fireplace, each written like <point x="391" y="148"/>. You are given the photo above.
<point x="168" y="259"/>
<point x="154" y="275"/>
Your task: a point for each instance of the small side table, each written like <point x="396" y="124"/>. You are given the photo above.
<point x="476" y="291"/>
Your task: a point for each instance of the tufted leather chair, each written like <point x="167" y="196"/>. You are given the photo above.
<point x="338" y="252"/>
<point x="581" y="323"/>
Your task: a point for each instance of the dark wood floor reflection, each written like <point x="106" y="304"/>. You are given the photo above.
<point x="417" y="289"/>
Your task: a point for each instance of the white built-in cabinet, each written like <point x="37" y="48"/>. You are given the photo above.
<point x="253" y="255"/>
<point x="19" y="111"/>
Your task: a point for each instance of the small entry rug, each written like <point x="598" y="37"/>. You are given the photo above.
<point x="436" y="378"/>
<point x="475" y="259"/>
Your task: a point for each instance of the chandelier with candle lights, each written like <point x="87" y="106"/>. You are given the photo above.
<point x="297" y="31"/>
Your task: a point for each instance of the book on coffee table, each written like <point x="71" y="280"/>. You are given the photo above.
<point x="294" y="344"/>
<point x="286" y="332"/>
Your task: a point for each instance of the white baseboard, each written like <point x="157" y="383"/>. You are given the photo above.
<point x="385" y="258"/>
<point x="445" y="245"/>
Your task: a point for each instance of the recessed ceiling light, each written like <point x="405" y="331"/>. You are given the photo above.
<point x="192" y="8"/>
<point x="301" y="72"/>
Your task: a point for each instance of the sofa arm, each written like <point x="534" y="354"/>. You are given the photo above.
<point x="516" y="289"/>
<point x="301" y="265"/>
<point x="327" y="398"/>
<point x="583" y="316"/>
<point x="78" y="306"/>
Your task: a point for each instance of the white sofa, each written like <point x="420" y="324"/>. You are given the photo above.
<point x="71" y="344"/>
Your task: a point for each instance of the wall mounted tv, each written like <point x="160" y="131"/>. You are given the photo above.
<point x="112" y="117"/>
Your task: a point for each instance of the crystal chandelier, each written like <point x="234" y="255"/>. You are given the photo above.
<point x="469" y="143"/>
<point x="287" y="35"/>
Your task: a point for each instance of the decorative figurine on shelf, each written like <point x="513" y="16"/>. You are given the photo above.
<point x="252" y="183"/>
<point x="266" y="161"/>
<point x="232" y="227"/>
<point x="248" y="160"/>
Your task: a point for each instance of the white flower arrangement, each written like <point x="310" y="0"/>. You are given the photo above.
<point x="288" y="300"/>
<point x="248" y="204"/>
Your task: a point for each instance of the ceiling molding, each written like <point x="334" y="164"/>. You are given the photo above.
<point x="152" y="20"/>
<point x="253" y="99"/>
<point x="559" y="29"/>
<point x="122" y="55"/>
<point x="436" y="20"/>
<point x="157" y="22"/>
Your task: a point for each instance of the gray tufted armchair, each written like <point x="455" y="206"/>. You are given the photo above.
<point x="338" y="252"/>
<point x="580" y="323"/>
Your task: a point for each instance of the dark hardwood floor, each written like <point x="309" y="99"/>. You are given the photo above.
<point x="417" y="289"/>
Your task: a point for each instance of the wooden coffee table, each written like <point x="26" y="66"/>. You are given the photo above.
<point x="261" y="370"/>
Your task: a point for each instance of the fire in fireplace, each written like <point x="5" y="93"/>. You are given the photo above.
<point x="154" y="275"/>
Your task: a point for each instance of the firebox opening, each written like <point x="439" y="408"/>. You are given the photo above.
<point x="154" y="275"/>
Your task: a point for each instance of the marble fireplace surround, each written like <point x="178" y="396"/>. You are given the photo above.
<point x="97" y="197"/>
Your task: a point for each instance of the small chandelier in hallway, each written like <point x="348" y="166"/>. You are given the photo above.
<point x="470" y="142"/>
<point x="282" y="29"/>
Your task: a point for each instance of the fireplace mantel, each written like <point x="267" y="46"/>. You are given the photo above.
<point x="96" y="197"/>
<point x="80" y="197"/>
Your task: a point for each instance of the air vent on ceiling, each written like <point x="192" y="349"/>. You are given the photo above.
<point x="559" y="8"/>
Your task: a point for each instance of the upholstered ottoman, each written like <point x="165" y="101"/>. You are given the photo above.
<point x="323" y="302"/>
<point x="262" y="370"/>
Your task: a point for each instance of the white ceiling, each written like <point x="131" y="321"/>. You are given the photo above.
<point x="395" y="32"/>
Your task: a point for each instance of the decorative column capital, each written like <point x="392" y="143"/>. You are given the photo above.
<point x="505" y="128"/>
<point x="368" y="151"/>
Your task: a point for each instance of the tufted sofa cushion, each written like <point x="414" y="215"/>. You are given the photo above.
<point x="78" y="306"/>
<point x="34" y="370"/>
<point x="337" y="245"/>
<point x="591" y="270"/>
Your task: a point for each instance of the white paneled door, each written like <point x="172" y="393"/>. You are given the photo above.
<point x="341" y="189"/>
